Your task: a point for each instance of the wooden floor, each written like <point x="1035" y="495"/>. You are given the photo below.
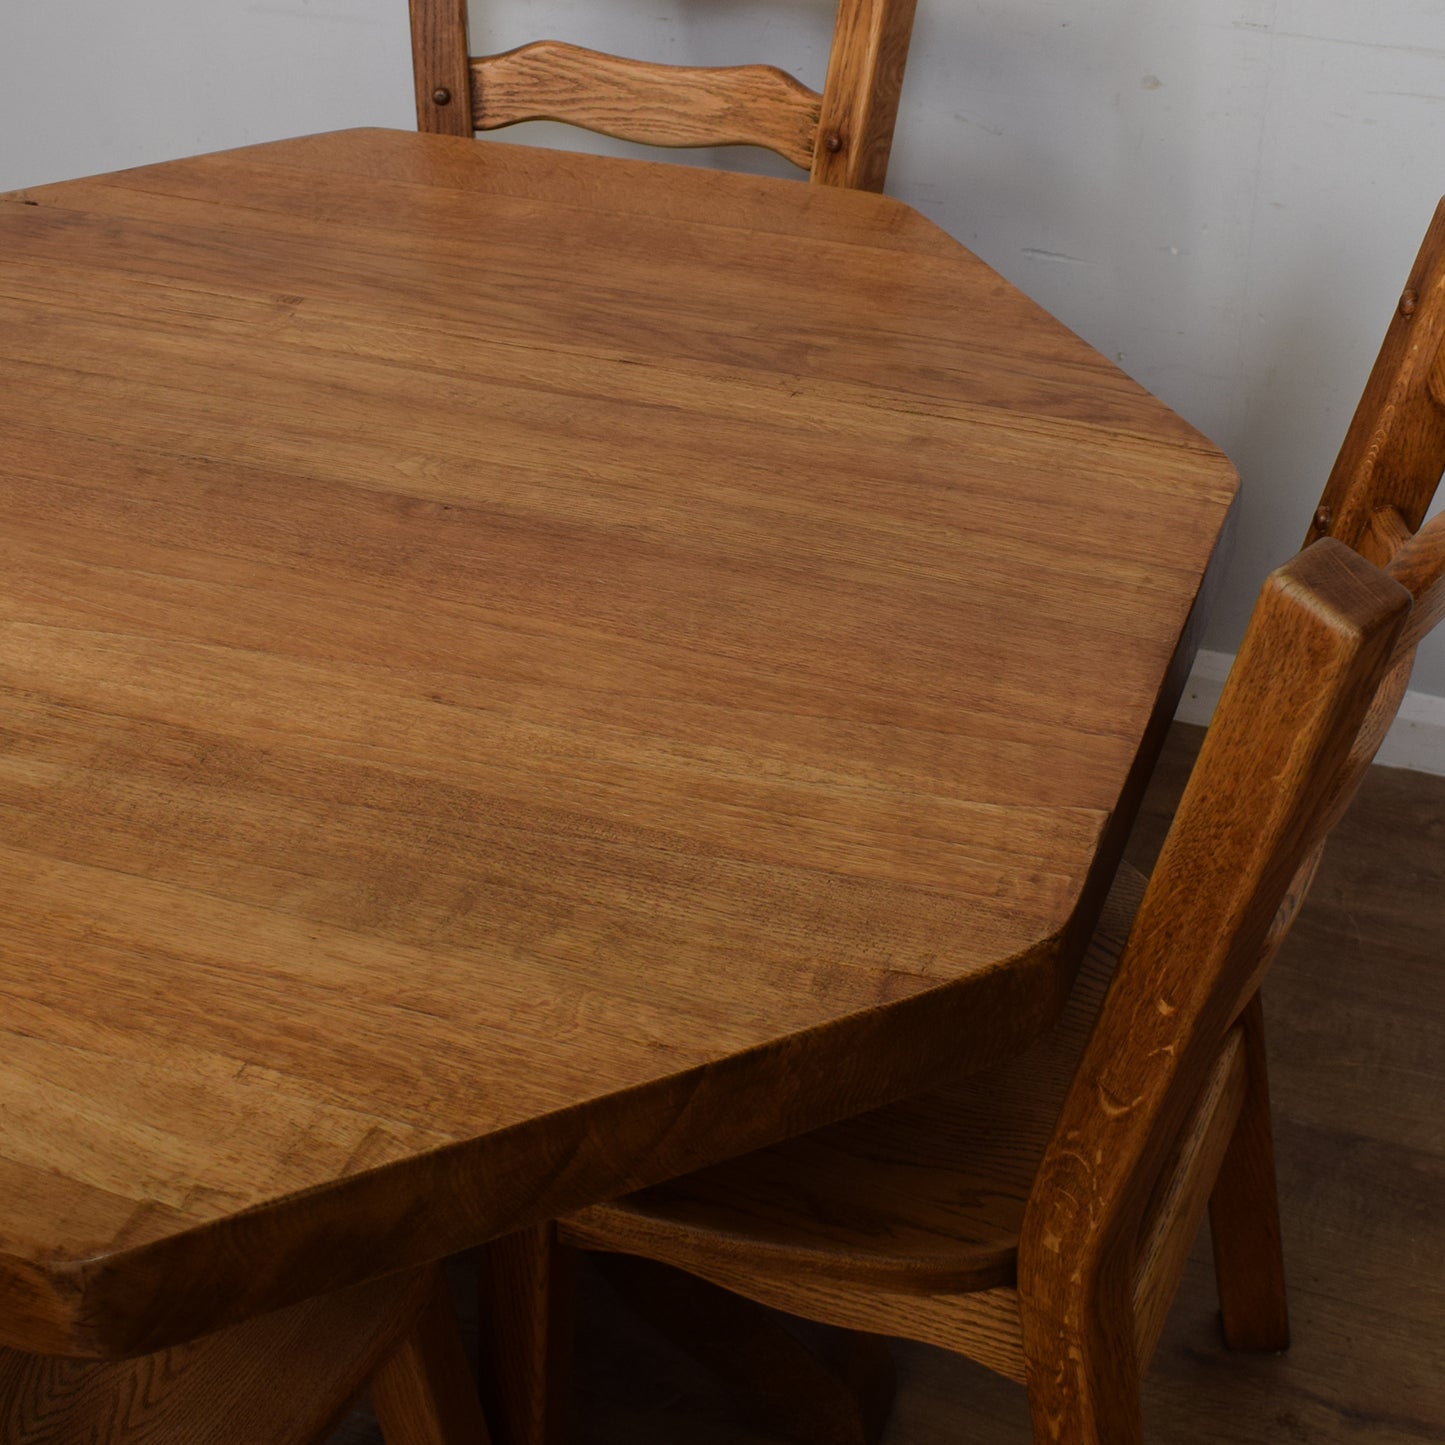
<point x="1356" y="1013"/>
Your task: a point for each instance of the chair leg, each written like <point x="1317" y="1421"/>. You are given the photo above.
<point x="867" y="1369"/>
<point x="1244" y="1214"/>
<point x="838" y="1395"/>
<point x="424" y="1393"/>
<point x="526" y="1290"/>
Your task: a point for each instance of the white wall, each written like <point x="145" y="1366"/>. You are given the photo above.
<point x="88" y="86"/>
<point x="1223" y="195"/>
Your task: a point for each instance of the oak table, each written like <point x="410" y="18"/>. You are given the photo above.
<point x="522" y="675"/>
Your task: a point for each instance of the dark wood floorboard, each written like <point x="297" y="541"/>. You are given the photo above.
<point x="1356" y="1019"/>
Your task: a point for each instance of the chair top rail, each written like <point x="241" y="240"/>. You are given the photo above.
<point x="635" y="100"/>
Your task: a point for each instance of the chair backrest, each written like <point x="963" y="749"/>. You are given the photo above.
<point x="841" y="136"/>
<point x="1309" y="699"/>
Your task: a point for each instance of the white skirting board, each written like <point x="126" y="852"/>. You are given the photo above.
<point x="1416" y="741"/>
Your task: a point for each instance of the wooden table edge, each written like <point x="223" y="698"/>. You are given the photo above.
<point x="123" y="1303"/>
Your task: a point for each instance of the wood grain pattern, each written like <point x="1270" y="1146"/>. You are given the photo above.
<point x="492" y="727"/>
<point x="658" y="105"/>
<point x="841" y="136"/>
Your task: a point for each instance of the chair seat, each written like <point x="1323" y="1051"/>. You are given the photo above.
<point x="922" y="1196"/>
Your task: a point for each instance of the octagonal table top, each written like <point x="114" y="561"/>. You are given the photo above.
<point x="521" y="675"/>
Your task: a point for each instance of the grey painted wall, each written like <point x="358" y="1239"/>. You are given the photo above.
<point x="1222" y="195"/>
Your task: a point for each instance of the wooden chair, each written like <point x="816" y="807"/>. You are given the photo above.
<point x="282" y="1379"/>
<point x="1038" y="1218"/>
<point x="841" y="137"/>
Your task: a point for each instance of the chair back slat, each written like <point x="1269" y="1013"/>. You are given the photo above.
<point x="842" y="136"/>
<point x="1419" y="567"/>
<point x="1437" y="378"/>
<point x="1394" y="451"/>
<point x="659" y="105"/>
